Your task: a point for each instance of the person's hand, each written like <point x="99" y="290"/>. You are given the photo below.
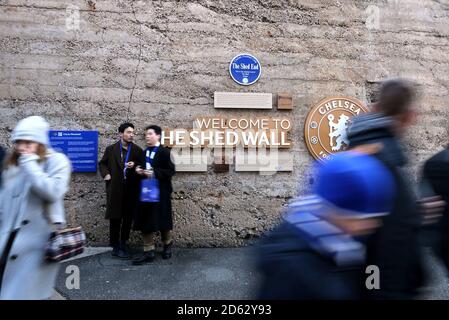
<point x="139" y="170"/>
<point x="148" y="173"/>
<point x="107" y="177"/>
<point x="57" y="227"/>
<point x="130" y="165"/>
<point x="432" y="209"/>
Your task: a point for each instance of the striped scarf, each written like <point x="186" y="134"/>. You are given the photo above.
<point x="305" y="215"/>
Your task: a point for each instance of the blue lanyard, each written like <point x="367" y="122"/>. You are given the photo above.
<point x="126" y="157"/>
<point x="150" y="157"/>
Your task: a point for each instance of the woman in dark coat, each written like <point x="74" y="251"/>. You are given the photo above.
<point x="152" y="217"/>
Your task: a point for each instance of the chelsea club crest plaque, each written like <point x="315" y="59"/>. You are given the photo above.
<point x="327" y="123"/>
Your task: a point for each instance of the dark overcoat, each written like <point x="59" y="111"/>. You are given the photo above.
<point x="152" y="217"/>
<point x="113" y="163"/>
<point x="394" y="248"/>
<point x="290" y="269"/>
<point x="436" y="173"/>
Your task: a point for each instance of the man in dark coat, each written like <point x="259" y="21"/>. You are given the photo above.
<point x="122" y="187"/>
<point x="152" y="217"/>
<point x="395" y="247"/>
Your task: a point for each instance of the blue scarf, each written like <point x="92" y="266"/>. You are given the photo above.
<point x="305" y="214"/>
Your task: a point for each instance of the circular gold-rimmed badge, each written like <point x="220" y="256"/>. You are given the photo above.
<point x="327" y="123"/>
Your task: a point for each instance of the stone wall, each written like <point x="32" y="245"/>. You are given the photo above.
<point x="161" y="61"/>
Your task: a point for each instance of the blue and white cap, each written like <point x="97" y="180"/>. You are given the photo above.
<point x="356" y="184"/>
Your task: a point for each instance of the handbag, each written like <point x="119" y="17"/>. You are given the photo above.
<point x="64" y="244"/>
<point x="149" y="190"/>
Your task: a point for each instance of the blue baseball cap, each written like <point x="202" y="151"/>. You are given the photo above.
<point x="356" y="184"/>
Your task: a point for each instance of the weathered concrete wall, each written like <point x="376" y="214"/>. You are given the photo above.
<point x="161" y="61"/>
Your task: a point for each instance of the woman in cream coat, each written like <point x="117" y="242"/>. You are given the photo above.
<point x="35" y="181"/>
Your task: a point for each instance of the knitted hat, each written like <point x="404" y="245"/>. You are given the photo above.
<point x="33" y="128"/>
<point x="356" y="184"/>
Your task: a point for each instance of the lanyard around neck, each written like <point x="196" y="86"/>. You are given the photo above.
<point x="126" y="157"/>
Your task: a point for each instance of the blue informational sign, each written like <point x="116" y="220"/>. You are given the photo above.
<point x="81" y="147"/>
<point x="245" y="69"/>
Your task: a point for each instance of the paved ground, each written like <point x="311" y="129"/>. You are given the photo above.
<point x="438" y="286"/>
<point x="216" y="273"/>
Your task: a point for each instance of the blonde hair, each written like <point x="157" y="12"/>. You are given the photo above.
<point x="13" y="159"/>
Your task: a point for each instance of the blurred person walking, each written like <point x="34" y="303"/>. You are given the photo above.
<point x="122" y="188"/>
<point x="395" y="246"/>
<point x="318" y="250"/>
<point x="35" y="180"/>
<point x="435" y="192"/>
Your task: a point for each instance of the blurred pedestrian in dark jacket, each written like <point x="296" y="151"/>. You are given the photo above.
<point x="318" y="250"/>
<point x="435" y="186"/>
<point x="395" y="246"/>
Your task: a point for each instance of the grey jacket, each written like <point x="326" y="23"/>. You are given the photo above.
<point x="31" y="199"/>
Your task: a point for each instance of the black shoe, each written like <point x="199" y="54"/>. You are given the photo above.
<point x="166" y="253"/>
<point x="123" y="254"/>
<point x="115" y="251"/>
<point x="119" y="253"/>
<point x="125" y="248"/>
<point x="146" y="257"/>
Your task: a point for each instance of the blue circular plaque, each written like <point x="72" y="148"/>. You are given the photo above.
<point x="245" y="69"/>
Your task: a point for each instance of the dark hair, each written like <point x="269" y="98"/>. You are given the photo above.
<point x="396" y="97"/>
<point x="156" y="129"/>
<point x="125" y="126"/>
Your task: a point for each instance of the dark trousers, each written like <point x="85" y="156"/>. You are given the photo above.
<point x="119" y="229"/>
